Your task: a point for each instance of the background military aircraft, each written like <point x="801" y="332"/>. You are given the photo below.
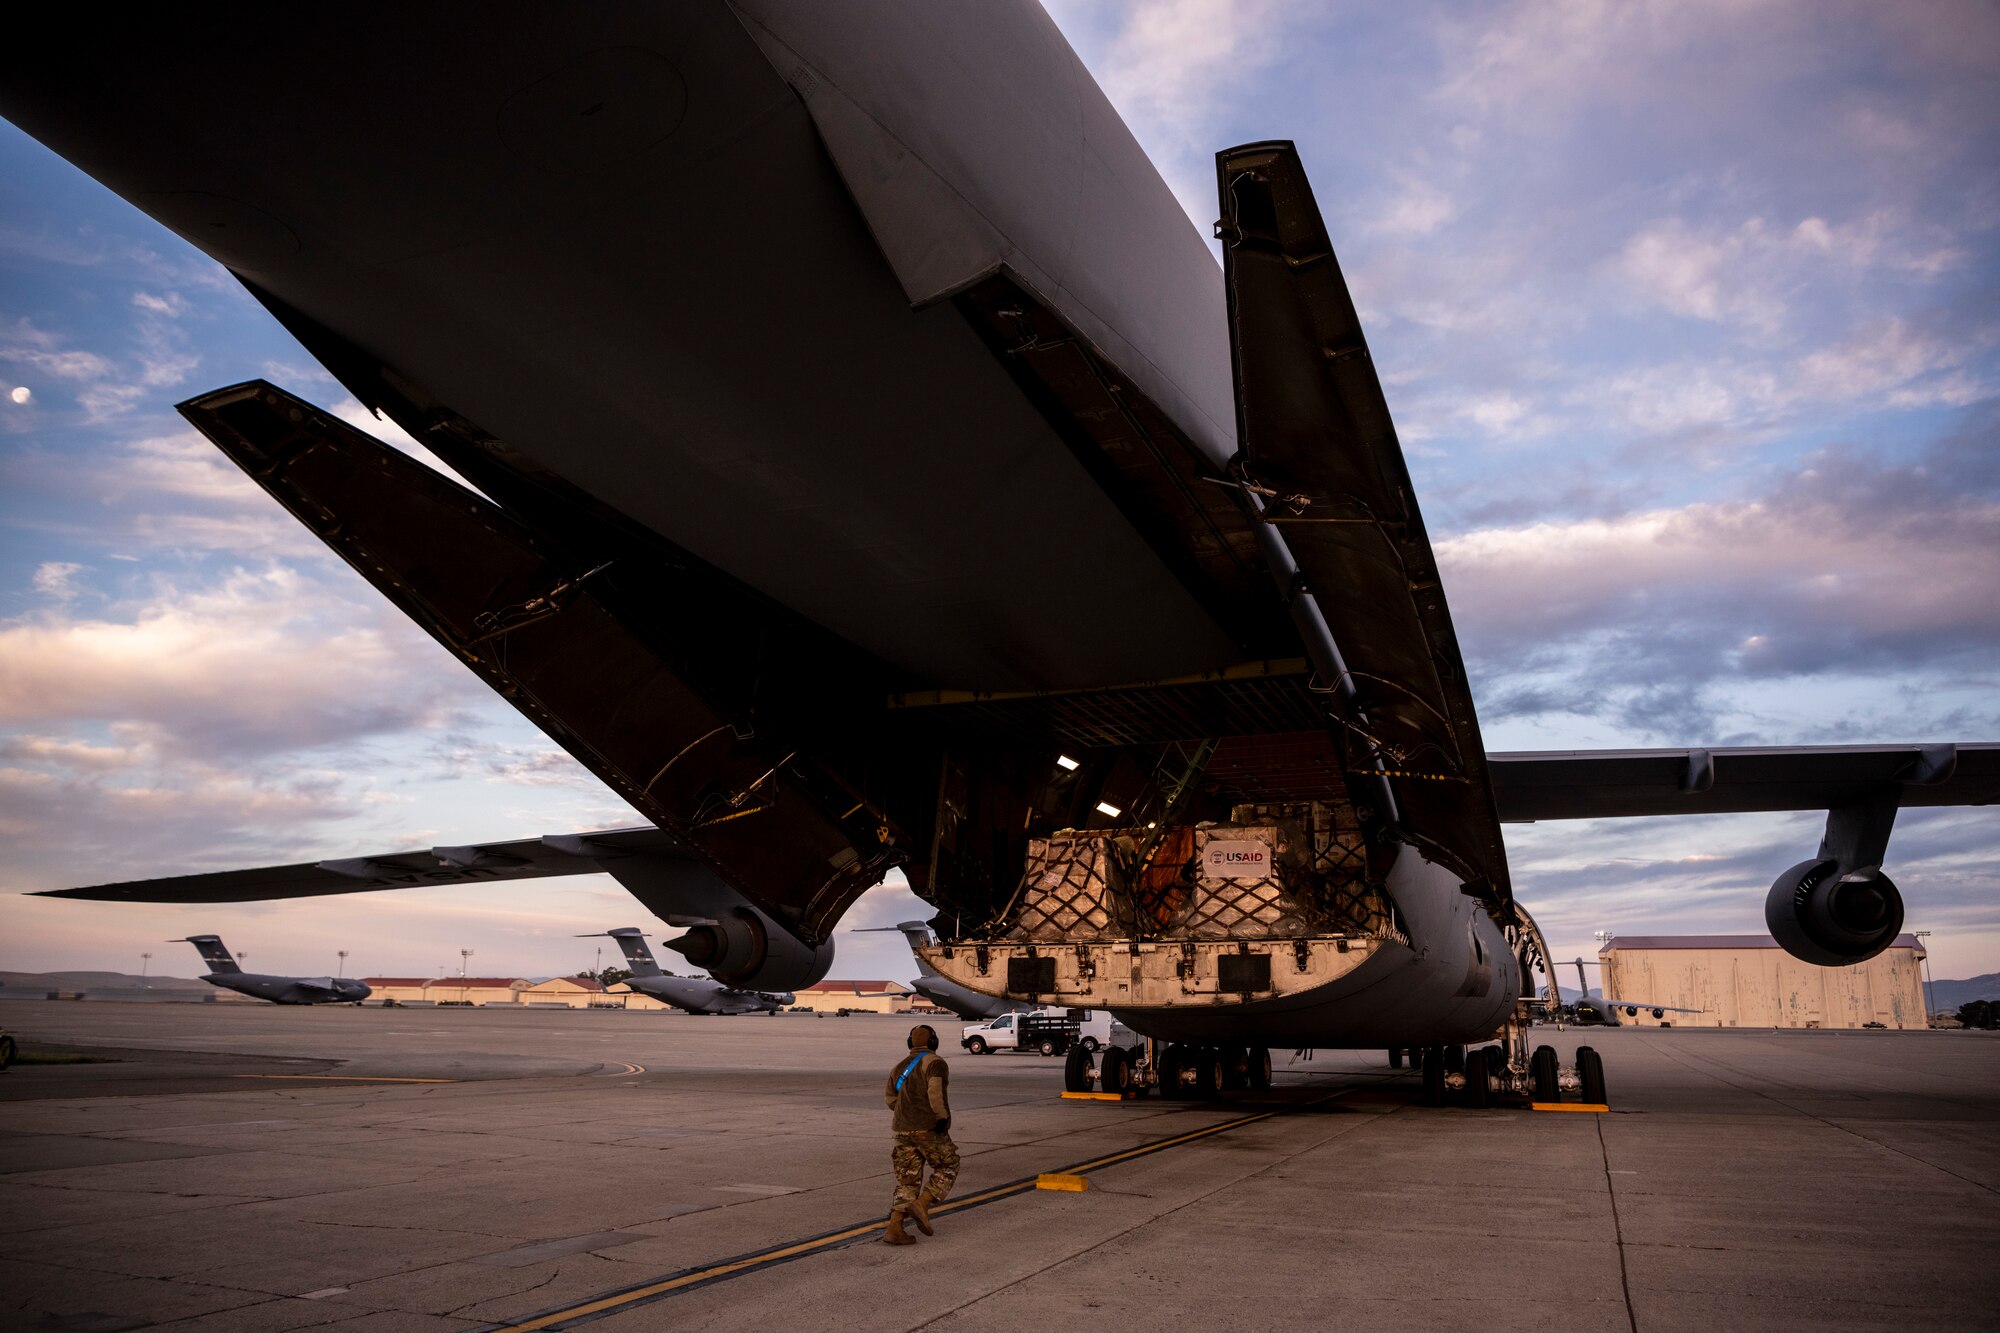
<point x="697" y="995"/>
<point x="870" y="469"/>
<point x="961" y="1000"/>
<point x="223" y="971"/>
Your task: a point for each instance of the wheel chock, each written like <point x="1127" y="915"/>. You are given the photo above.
<point x="1567" y="1106"/>
<point x="1056" y="1180"/>
<point x="1093" y="1096"/>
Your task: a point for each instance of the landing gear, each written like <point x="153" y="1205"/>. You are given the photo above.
<point x="1546" y="1074"/>
<point x="1478" y="1091"/>
<point x="1395" y="1057"/>
<point x="1209" y="1078"/>
<point x="1077" y="1070"/>
<point x="1172" y="1061"/>
<point x="1260" y="1068"/>
<point x="1454" y="1059"/>
<point x="1114" y="1073"/>
<point x="1434" y="1076"/>
<point x="1235" y="1069"/>
<point x="1590" y="1073"/>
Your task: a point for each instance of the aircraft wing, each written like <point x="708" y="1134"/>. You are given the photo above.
<point x="1321" y="467"/>
<point x="1601" y="784"/>
<point x="527" y="858"/>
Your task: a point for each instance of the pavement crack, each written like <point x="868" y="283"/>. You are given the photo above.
<point x="1617" y="1227"/>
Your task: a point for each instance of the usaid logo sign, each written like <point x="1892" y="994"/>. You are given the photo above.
<point x="1246" y="859"/>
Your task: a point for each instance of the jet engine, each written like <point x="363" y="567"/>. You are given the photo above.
<point x="734" y="942"/>
<point x="746" y="948"/>
<point x="1822" y="916"/>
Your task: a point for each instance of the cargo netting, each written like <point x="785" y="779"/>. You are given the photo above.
<point x="1073" y="888"/>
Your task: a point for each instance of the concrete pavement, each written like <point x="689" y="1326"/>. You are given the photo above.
<point x="1744" y="1179"/>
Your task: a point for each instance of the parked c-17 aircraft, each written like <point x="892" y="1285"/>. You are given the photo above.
<point x="875" y="471"/>
<point x="960" y="1000"/>
<point x="223" y="971"/>
<point x="697" y="995"/>
<point x="1602" y="1011"/>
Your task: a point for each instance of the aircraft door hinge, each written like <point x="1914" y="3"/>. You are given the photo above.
<point x="505" y="620"/>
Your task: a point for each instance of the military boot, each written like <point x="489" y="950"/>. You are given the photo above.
<point x="920" y="1208"/>
<point x="893" y="1234"/>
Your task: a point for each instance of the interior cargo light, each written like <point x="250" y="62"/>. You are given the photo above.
<point x="1106" y="808"/>
<point x="1064" y="761"/>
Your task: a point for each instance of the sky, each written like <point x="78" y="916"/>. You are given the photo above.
<point x="1688" y="314"/>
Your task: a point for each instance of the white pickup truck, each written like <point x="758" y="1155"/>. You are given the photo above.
<point x="1093" y="1028"/>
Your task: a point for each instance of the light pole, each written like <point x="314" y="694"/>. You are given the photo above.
<point x="145" y="965"/>
<point x="343" y="962"/>
<point x="463" y="954"/>
<point x="1930" y="997"/>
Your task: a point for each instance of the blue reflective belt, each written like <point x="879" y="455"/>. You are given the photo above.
<point x="908" y="1067"/>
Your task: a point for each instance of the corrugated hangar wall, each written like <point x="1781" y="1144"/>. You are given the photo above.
<point x="1748" y="981"/>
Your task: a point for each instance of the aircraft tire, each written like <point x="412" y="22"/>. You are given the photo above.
<point x="1114" y="1075"/>
<point x="1454" y="1059"/>
<point x="1260" y="1068"/>
<point x="1171" y="1061"/>
<point x="1395" y="1057"/>
<point x="1076" y="1070"/>
<point x="977" y="1046"/>
<point x="1543" y="1067"/>
<point x="1209" y="1065"/>
<point x="6" y="1051"/>
<point x="1478" y="1095"/>
<point x="1235" y="1068"/>
<point x="1590" y="1069"/>
<point x="1434" y="1076"/>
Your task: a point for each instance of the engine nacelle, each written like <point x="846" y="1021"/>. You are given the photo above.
<point x="1821" y="917"/>
<point x="746" y="948"/>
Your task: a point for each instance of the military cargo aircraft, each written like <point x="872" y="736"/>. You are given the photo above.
<point x="224" y="971"/>
<point x="697" y="995"/>
<point x="871" y="469"/>
<point x="960" y="1000"/>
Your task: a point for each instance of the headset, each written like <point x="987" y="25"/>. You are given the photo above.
<point x="924" y="1037"/>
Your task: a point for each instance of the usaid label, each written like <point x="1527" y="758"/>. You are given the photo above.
<point x="1247" y="859"/>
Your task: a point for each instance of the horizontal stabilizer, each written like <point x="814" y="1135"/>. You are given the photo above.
<point x="528" y="858"/>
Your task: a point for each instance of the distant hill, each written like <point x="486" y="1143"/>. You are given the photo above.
<point x="48" y="981"/>
<point x="1948" y="995"/>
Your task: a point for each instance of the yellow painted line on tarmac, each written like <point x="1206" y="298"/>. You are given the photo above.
<point x="350" y="1078"/>
<point x="1567" y="1106"/>
<point x="645" y="1293"/>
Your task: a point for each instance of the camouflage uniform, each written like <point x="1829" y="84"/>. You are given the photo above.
<point x="914" y="1148"/>
<point x="920" y="1105"/>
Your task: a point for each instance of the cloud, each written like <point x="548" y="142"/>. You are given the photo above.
<point x="261" y="661"/>
<point x="1850" y="566"/>
<point x="53" y="579"/>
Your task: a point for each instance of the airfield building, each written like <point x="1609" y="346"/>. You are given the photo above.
<point x="878" y="997"/>
<point x="1750" y="981"/>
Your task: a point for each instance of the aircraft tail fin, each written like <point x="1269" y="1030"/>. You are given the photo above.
<point x="212" y="952"/>
<point x="637" y="956"/>
<point x="918" y="933"/>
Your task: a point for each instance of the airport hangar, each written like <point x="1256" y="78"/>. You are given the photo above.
<point x="1750" y="981"/>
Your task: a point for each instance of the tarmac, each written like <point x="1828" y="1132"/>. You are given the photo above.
<point x="248" y="1167"/>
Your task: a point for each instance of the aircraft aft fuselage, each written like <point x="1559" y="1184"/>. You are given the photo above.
<point x="292" y="990"/>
